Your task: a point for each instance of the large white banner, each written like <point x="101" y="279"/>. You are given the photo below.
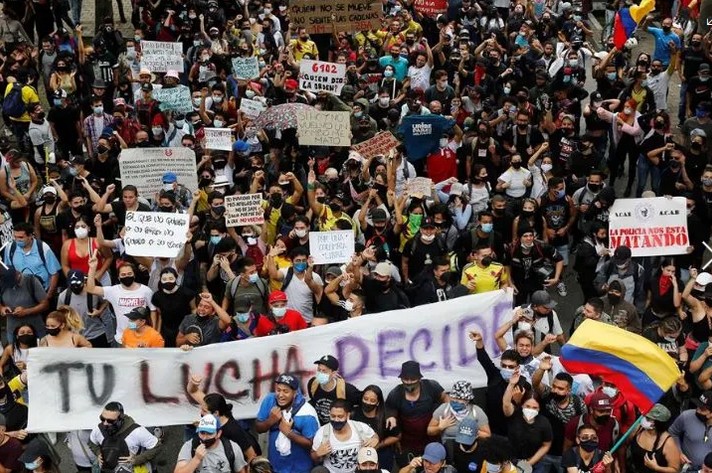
<point x="650" y="227"/>
<point x="69" y="387"/>
<point x="144" y="168"/>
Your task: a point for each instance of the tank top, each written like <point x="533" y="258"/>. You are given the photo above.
<point x="48" y="221"/>
<point x="22" y="182"/>
<point x="638" y="453"/>
<point x="701" y="329"/>
<point x="82" y="262"/>
<point x="20" y="354"/>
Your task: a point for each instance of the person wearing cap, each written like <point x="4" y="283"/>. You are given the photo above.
<point x="607" y="428"/>
<point x="651" y="439"/>
<point x="420" y="250"/>
<point x="137" y="445"/>
<point x="211" y="452"/>
<point x="336" y="443"/>
<point x="691" y="432"/>
<point x="244" y="322"/>
<point x="428" y="394"/>
<point x="629" y="272"/>
<point x="433" y="460"/>
<point x="65" y="121"/>
<point x="46" y="217"/>
<point x="448" y="417"/>
<point x="140" y="334"/>
<point x="91" y="309"/>
<point x="327" y="386"/>
<point x="539" y="316"/>
<point x="279" y="318"/>
<point x="37" y="458"/>
<point x="367" y="460"/>
<point x="292" y="424"/>
<point x="205" y="325"/>
<point x="182" y="194"/>
<point x="434" y="284"/>
<point x="381" y="289"/>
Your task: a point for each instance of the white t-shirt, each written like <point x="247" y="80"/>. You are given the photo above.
<point x="342" y="458"/>
<point x="299" y="296"/>
<point x="420" y="77"/>
<point x="139" y="438"/>
<point x="659" y="85"/>
<point x="41" y="135"/>
<point x="123" y="301"/>
<point x="515" y="179"/>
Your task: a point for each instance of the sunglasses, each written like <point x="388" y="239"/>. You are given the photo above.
<point x="108" y="421"/>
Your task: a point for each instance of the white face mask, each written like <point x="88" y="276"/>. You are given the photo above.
<point x="525" y="326"/>
<point x="168" y="187"/>
<point x="249" y="94"/>
<point x="546" y="167"/>
<point x="443" y="142"/>
<point x="609" y="391"/>
<point x="384" y="101"/>
<point x="647" y="424"/>
<point x="529" y="413"/>
<point x="196" y="102"/>
<point x="157" y="131"/>
<point x="217" y="98"/>
<point x="300" y="233"/>
<point x="628" y="110"/>
<point x="180" y="123"/>
<point x="218" y="123"/>
<point x="81" y="232"/>
<point x="427" y="238"/>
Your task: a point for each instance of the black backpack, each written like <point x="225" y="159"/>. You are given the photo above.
<point x="114" y="447"/>
<point x="229" y="452"/>
<point x="12" y="105"/>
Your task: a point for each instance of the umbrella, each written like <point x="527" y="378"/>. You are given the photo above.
<point x="281" y="116"/>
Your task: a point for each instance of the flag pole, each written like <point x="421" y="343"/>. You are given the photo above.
<point x="627" y="433"/>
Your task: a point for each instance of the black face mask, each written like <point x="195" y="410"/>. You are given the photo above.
<point x="667" y="29"/>
<point x="205" y="182"/>
<point x="166" y="209"/>
<point x="594" y="187"/>
<point x="486" y="261"/>
<point x="695" y="146"/>
<point x="321" y="199"/>
<point x="369" y="407"/>
<point x="558" y="397"/>
<point x="602" y="419"/>
<point x="659" y="125"/>
<point x="208" y="442"/>
<point x="527" y="213"/>
<point x="50" y="200"/>
<point x="40" y="116"/>
<point x="701" y="417"/>
<point x="27" y="339"/>
<point x="589" y="445"/>
<point x="275" y="200"/>
<point x="101" y="149"/>
<point x="335" y="207"/>
<point x="167" y="286"/>
<point x="127" y="281"/>
<point x="411" y="387"/>
<point x="53" y="331"/>
<point x="219" y="210"/>
<point x="338" y="424"/>
<point x="516" y="165"/>
<point x="76" y="289"/>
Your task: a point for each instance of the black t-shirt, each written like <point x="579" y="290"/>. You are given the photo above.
<point x="571" y="458"/>
<point x="467" y="462"/>
<point x="106" y="171"/>
<point x="65" y="122"/>
<point x="321" y="400"/>
<point x="420" y="254"/>
<point x="173" y="307"/>
<point x="414" y="416"/>
<point x="119" y="209"/>
<point x="564" y="147"/>
<point x="66" y="220"/>
<point x="699" y="91"/>
<point x="15" y="416"/>
<point x="527" y="438"/>
<point x="232" y="431"/>
<point x="379" y="301"/>
<point x="669" y="347"/>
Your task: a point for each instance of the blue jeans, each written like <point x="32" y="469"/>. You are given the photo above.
<point x="645" y="168"/>
<point x="551" y="462"/>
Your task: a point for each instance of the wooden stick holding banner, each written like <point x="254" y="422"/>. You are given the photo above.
<point x="710" y="250"/>
<point x="1" y="262"/>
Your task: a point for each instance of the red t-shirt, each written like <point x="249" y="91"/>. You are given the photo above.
<point x="291" y="319"/>
<point x="442" y="165"/>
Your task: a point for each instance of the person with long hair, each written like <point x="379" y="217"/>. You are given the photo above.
<point x="627" y="134"/>
<point x="664" y="295"/>
<point x="14" y="355"/>
<point x="77" y="251"/>
<point x="372" y="412"/>
<point x="62" y="326"/>
<point x="652" y="450"/>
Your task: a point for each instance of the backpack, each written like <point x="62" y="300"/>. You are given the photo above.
<point x="609" y="271"/>
<point x="113" y="448"/>
<point x="13" y="105"/>
<point x="260" y="284"/>
<point x="227" y="446"/>
<point x="40" y="250"/>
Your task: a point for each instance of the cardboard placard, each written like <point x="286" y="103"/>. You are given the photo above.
<point x="419" y="185"/>
<point x="351" y="15"/>
<point x="176" y="99"/>
<point x="321" y="128"/>
<point x="331" y="247"/>
<point x="161" y="56"/>
<point x="379" y="145"/>
<point x="321" y="76"/>
<point x="431" y="8"/>
<point x="244" y="209"/>
<point x="218" y="139"/>
<point x="155" y="234"/>
<point x="251" y="108"/>
<point x="246" y="68"/>
<point x="144" y="168"/>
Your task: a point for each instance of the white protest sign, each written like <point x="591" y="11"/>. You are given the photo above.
<point x="144" y="168"/>
<point x="251" y="108"/>
<point x="176" y="99"/>
<point x="419" y="185"/>
<point x="155" y="234"/>
<point x="331" y="247"/>
<point x="246" y="67"/>
<point x="218" y="139"/>
<point x="649" y="227"/>
<point x="68" y="387"/>
<point x="244" y="209"/>
<point x="161" y="56"/>
<point x="320" y="76"/>
<point x="6" y="230"/>
<point x="321" y="128"/>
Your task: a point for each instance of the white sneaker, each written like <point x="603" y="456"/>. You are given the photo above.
<point x="561" y="288"/>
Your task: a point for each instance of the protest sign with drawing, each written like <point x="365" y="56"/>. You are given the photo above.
<point x="155" y="234"/>
<point x="218" y="139"/>
<point x="246" y="68"/>
<point x="321" y="128"/>
<point x="245" y="209"/>
<point x="379" y="145"/>
<point x="176" y="99"/>
<point x="144" y="168"/>
<point x="161" y="56"/>
<point x="251" y="108"/>
<point x="331" y="247"/>
<point x="320" y="76"/>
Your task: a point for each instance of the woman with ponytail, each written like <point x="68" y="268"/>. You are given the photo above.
<point x="62" y="326"/>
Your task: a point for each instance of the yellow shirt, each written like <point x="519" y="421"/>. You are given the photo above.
<point x="29" y="95"/>
<point x="150" y="338"/>
<point x="327" y="220"/>
<point x="374" y="38"/>
<point x="273" y="220"/>
<point x="486" y="279"/>
<point x="639" y="97"/>
<point x="304" y="47"/>
<point x="414" y="28"/>
<point x="281" y="262"/>
<point x="18" y="388"/>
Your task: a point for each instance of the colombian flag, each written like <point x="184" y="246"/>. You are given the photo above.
<point x="637" y="366"/>
<point x="627" y="20"/>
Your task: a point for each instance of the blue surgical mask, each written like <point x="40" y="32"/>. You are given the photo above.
<point x="487" y="227"/>
<point x="611" y="75"/>
<point x="322" y="378"/>
<point x="388" y="73"/>
<point x="279" y="311"/>
<point x="133" y="325"/>
<point x="254" y="277"/>
<point x="300" y="267"/>
<point x="20" y="244"/>
<point x="32" y="466"/>
<point x="458" y="406"/>
<point x="57" y="102"/>
<point x="242" y="317"/>
<point x="700" y="114"/>
<point x="560" y="194"/>
<point x="215" y="239"/>
<point x="506" y="373"/>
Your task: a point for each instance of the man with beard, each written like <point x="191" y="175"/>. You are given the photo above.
<point x="292" y="424"/>
<point x="118" y="439"/>
<point x="210" y="451"/>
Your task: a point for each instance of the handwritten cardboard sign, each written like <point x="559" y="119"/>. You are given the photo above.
<point x="161" y="56"/>
<point x="218" y="139"/>
<point x="321" y="76"/>
<point x="379" y="145"/>
<point x="351" y="15"/>
<point x="246" y="68"/>
<point x="321" y="128"/>
<point x="251" y="108"/>
<point x="176" y="99"/>
<point x="155" y="234"/>
<point x="331" y="247"/>
<point x="244" y="209"/>
<point x="419" y="185"/>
